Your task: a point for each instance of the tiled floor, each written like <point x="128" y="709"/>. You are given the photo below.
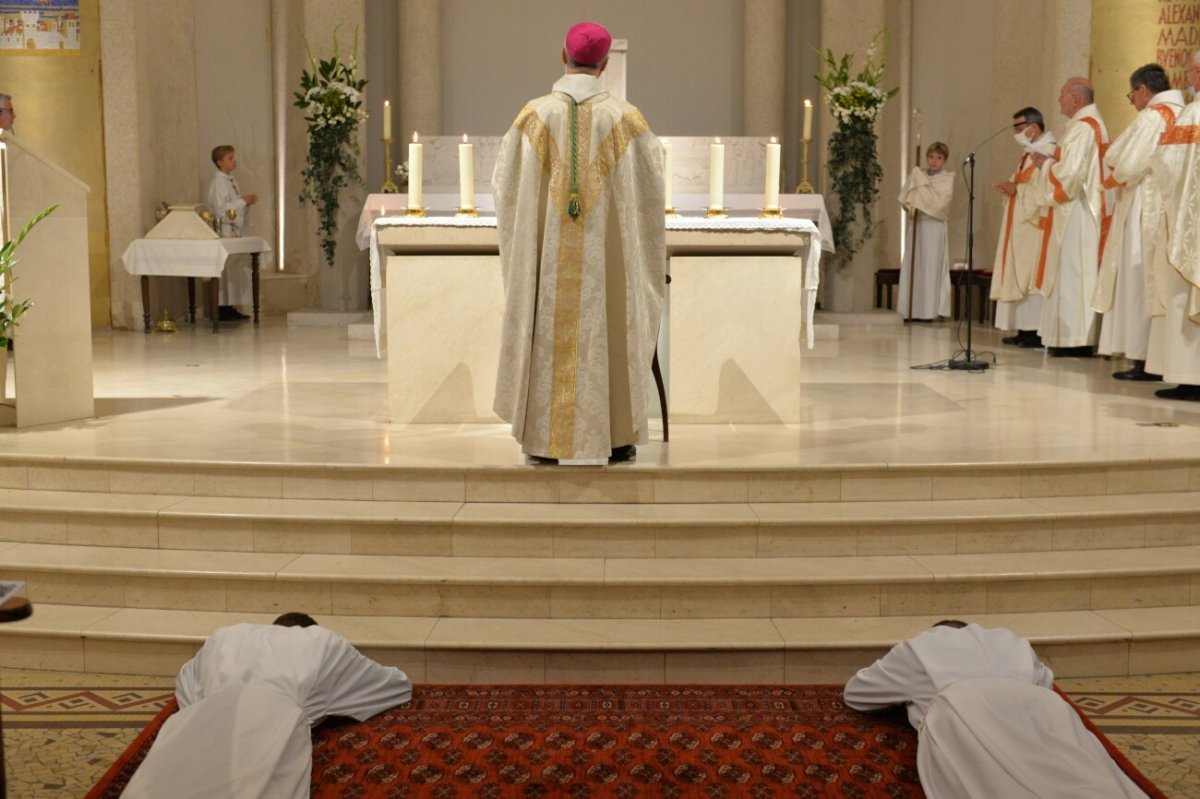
<point x="309" y="395"/>
<point x="62" y="730"/>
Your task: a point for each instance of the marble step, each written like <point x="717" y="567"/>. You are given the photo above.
<point x="632" y="588"/>
<point x="601" y="529"/>
<point x="475" y="650"/>
<point x="643" y="483"/>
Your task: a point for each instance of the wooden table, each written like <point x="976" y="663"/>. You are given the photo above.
<point x="15" y="609"/>
<point x="193" y="258"/>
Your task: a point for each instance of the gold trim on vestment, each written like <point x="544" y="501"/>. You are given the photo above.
<point x="608" y="154"/>
<point x="567" y="298"/>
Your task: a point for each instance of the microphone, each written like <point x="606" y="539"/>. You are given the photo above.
<point x="971" y="156"/>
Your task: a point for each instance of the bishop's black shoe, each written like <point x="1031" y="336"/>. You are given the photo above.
<point x="622" y="454"/>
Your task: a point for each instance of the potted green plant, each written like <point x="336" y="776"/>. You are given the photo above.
<point x="11" y="312"/>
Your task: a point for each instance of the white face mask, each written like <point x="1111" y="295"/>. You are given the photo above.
<point x="1021" y="139"/>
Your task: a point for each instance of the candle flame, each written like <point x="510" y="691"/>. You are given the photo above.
<point x="718" y="140"/>
<point x="807" y="103"/>
<point x="665" y="140"/>
<point x="773" y="140"/>
<point x="386" y="103"/>
<point x="414" y="137"/>
<point x="464" y="138"/>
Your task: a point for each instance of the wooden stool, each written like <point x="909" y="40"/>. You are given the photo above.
<point x="884" y="280"/>
<point x="978" y="302"/>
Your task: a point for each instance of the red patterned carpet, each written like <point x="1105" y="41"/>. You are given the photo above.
<point x="601" y="741"/>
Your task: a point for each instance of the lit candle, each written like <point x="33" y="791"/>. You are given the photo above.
<point x="807" y="119"/>
<point x="667" y="173"/>
<point x="414" y="173"/>
<point x="771" y="200"/>
<point x="466" y="174"/>
<point x="387" y="120"/>
<point x="716" y="175"/>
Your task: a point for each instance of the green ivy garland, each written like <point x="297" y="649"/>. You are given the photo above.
<point x="854" y="171"/>
<point x="331" y="96"/>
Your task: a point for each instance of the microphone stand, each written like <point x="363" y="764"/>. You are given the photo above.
<point x="968" y="361"/>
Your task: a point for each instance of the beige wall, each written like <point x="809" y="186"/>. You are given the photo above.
<point x="684" y="67"/>
<point x="57" y="98"/>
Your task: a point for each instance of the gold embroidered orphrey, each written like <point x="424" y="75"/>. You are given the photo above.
<point x="569" y="284"/>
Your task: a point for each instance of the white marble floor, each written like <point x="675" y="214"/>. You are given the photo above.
<point x="309" y="395"/>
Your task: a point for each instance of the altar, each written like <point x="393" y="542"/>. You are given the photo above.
<point x="738" y="314"/>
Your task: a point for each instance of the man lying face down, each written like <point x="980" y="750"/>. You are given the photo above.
<point x="988" y="722"/>
<point x="248" y="701"/>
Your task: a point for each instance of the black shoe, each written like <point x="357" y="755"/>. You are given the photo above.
<point x="227" y="313"/>
<point x="1032" y="342"/>
<point x="538" y="460"/>
<point x="1070" y="352"/>
<point x="1183" y="391"/>
<point x="622" y="454"/>
<point x="1014" y="341"/>
<point x="1139" y="374"/>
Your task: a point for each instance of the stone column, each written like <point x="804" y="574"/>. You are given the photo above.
<point x="764" y="36"/>
<point x="420" y="47"/>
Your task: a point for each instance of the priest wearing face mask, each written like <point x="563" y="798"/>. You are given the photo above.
<point x="579" y="204"/>
<point x="1143" y="172"/>
<point x="1025" y="232"/>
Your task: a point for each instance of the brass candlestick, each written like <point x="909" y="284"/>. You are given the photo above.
<point x="805" y="187"/>
<point x="467" y="211"/>
<point x="771" y="213"/>
<point x="716" y="213"/>
<point x="671" y="212"/>
<point x="389" y="186"/>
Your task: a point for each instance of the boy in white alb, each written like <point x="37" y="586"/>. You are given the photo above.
<point x="927" y="194"/>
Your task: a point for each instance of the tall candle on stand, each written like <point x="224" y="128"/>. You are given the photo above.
<point x="466" y="174"/>
<point x="667" y="172"/>
<point x="716" y="175"/>
<point x="771" y="192"/>
<point x="387" y="120"/>
<point x="414" y="172"/>
<point x="807" y="119"/>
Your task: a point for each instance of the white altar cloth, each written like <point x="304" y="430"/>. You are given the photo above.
<point x="733" y="224"/>
<point x="189" y="257"/>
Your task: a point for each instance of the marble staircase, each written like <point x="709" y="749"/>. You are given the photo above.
<point x="634" y="573"/>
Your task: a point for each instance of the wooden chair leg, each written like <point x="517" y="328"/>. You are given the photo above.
<point x="662" y="395"/>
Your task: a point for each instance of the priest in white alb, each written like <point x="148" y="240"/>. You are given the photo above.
<point x="248" y="701"/>
<point x="579" y="202"/>
<point x="1025" y="233"/>
<point x="1072" y="186"/>
<point x="1178" y="353"/>
<point x="988" y="723"/>
<point x="926" y="268"/>
<point x="1141" y="170"/>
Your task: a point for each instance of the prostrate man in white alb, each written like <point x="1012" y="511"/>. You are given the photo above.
<point x="988" y="723"/>
<point x="579" y="202"/>
<point x="1071" y="185"/>
<point x="1177" y="352"/>
<point x="248" y="701"/>
<point x="230" y="206"/>
<point x="1124" y="292"/>
<point x="1025" y="234"/>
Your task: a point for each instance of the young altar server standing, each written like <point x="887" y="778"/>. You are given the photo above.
<point x="928" y="192"/>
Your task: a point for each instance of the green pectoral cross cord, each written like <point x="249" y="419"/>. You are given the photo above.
<point x="574" y="207"/>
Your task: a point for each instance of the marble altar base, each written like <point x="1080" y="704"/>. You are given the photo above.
<point x="735" y="330"/>
<point x="444" y="318"/>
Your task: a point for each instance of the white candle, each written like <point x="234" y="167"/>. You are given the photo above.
<point x="667" y="173"/>
<point x="771" y="199"/>
<point x="387" y="119"/>
<point x="716" y="175"/>
<point x="807" y="119"/>
<point x="414" y="173"/>
<point x="466" y="174"/>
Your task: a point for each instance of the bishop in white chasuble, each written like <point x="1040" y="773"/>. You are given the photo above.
<point x="579" y="203"/>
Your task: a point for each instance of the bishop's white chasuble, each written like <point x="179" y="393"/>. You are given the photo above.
<point x="579" y="203"/>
